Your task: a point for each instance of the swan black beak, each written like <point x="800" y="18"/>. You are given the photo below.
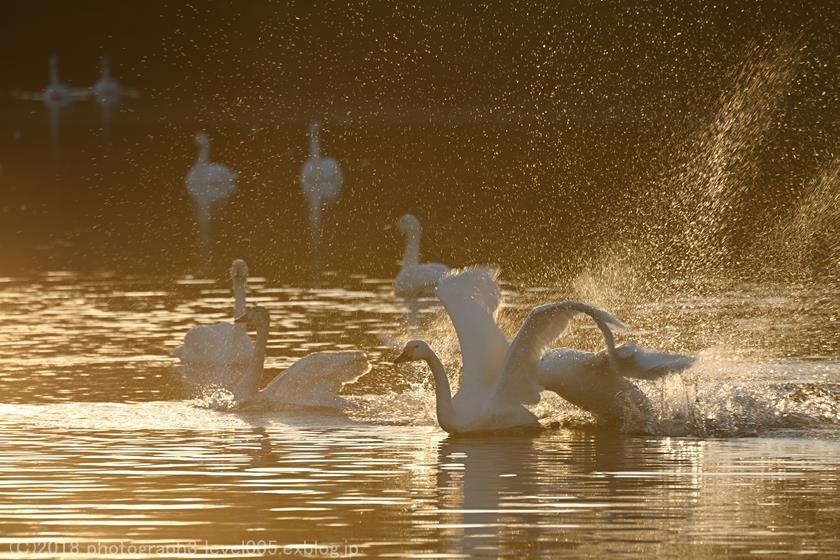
<point x="404" y="357"/>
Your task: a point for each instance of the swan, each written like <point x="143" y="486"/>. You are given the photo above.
<point x="107" y="91"/>
<point x="208" y="183"/>
<point x="314" y="380"/>
<point x="56" y="96"/>
<point x="499" y="377"/>
<point x="415" y="279"/>
<point x="320" y="179"/>
<point x="223" y="346"/>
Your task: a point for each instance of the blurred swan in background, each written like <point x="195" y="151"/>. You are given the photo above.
<point x="208" y="183"/>
<point x="415" y="279"/>
<point x="108" y="93"/>
<point x="57" y="96"/>
<point x="314" y="380"/>
<point x="498" y="378"/>
<point x="218" y="354"/>
<point x="320" y="179"/>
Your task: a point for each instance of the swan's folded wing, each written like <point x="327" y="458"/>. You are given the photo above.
<point x="519" y="380"/>
<point x="643" y="363"/>
<point x="316" y="378"/>
<point x="471" y="298"/>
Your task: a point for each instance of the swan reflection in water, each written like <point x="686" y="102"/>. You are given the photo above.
<point x="494" y="498"/>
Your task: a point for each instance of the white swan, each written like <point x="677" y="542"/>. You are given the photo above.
<point x="498" y="378"/>
<point x="208" y="183"/>
<point x="314" y="380"/>
<point x="107" y="91"/>
<point x="320" y="179"/>
<point x="415" y="279"/>
<point x="56" y="96"/>
<point x="220" y="352"/>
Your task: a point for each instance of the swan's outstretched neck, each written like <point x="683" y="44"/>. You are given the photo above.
<point x="412" y="248"/>
<point x="443" y="394"/>
<point x="250" y="382"/>
<point x="314" y="140"/>
<point x="106" y="68"/>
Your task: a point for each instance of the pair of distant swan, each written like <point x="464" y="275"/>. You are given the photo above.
<point x="106" y="91"/>
<point x="498" y="378"/>
<point x="211" y="183"/>
<point x="314" y="380"/>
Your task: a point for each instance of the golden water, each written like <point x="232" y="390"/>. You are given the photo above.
<point x="106" y="453"/>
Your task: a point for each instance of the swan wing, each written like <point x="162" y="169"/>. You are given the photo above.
<point x="316" y="379"/>
<point x="643" y="363"/>
<point x="519" y="381"/>
<point x="471" y="298"/>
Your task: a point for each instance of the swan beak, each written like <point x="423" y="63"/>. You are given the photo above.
<point x="404" y="357"/>
<point x="241" y="319"/>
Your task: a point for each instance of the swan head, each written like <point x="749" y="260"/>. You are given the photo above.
<point x="255" y="318"/>
<point x="201" y="139"/>
<point x="239" y="270"/>
<point x="415" y="351"/>
<point x="408" y="224"/>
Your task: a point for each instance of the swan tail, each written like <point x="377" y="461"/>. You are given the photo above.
<point x="639" y="362"/>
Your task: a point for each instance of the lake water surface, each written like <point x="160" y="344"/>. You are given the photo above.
<point x="107" y="452"/>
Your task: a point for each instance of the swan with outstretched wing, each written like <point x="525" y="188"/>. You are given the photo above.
<point x="498" y="379"/>
<point x="312" y="381"/>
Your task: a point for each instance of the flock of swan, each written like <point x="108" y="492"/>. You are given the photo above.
<point x="107" y="92"/>
<point x="499" y="378"/>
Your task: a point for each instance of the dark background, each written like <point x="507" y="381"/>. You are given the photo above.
<point x="531" y="135"/>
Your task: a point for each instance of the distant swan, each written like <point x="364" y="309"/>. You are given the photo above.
<point x="498" y="378"/>
<point x="320" y="179"/>
<point x="415" y="279"/>
<point x="313" y="381"/>
<point x="56" y="96"/>
<point x="208" y="183"/>
<point x="220" y="352"/>
<point x="108" y="92"/>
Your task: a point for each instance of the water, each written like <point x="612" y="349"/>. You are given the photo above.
<point x="106" y="452"/>
<point x="673" y="164"/>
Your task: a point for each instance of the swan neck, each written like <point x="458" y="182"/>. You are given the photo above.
<point x="412" y="248"/>
<point x="249" y="384"/>
<point x="106" y="68"/>
<point x="443" y="393"/>
<point x="314" y="143"/>
<point x="53" y="70"/>
<point x="239" y="301"/>
<point x="203" y="152"/>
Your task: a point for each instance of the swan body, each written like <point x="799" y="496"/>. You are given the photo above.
<point x="415" y="279"/>
<point x="321" y="179"/>
<point x="223" y="350"/>
<point x="314" y="380"/>
<point x="498" y="378"/>
<point x="209" y="182"/>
